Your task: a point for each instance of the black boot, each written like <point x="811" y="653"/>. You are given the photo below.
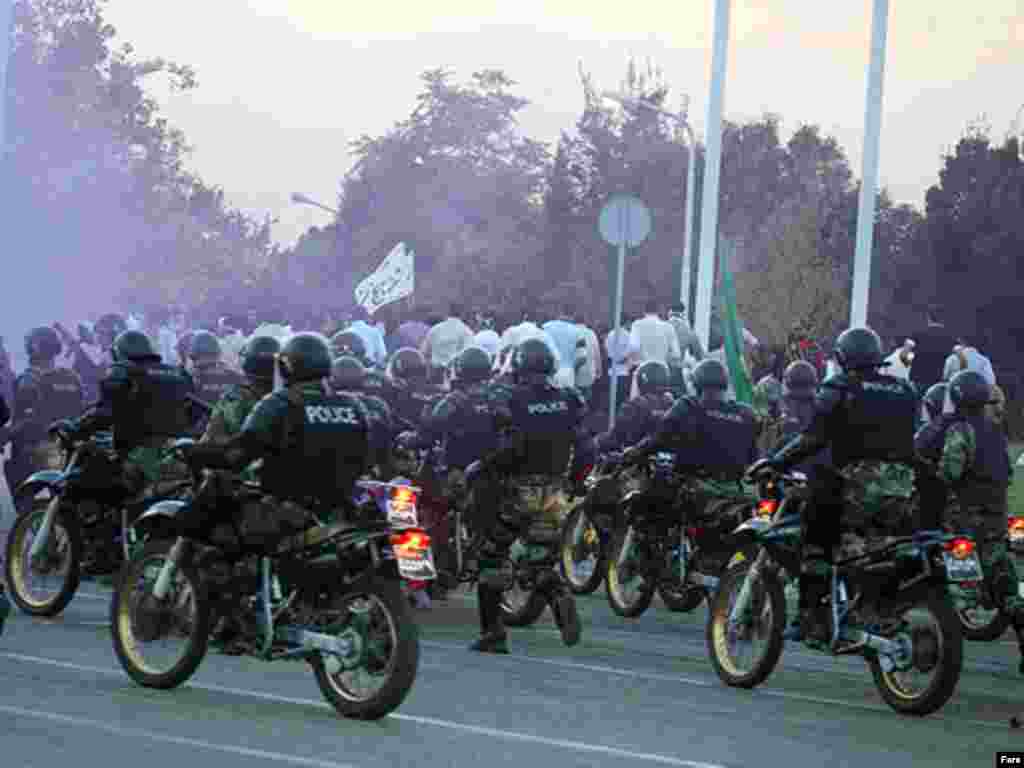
<point x="493" y="638"/>
<point x="563" y="608"/>
<point x="813" y="588"/>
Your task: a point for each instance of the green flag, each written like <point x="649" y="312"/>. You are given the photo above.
<point x="732" y="334"/>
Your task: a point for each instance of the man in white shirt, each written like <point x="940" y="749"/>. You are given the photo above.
<point x="446" y="341"/>
<point x="589" y="373"/>
<point x="516" y="335"/>
<point x="657" y="338"/>
<point x="624" y="353"/>
<point x="571" y="347"/>
<point x="487" y="338"/>
<point x="968" y="358"/>
<point x="373" y="339"/>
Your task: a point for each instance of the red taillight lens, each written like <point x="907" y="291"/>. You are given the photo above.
<point x="403" y="495"/>
<point x="960" y="548"/>
<point x="1016" y="526"/>
<point x="411" y="541"/>
<point x="584" y="473"/>
<point x="767" y="507"/>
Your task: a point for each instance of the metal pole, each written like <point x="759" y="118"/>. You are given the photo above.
<point x="6" y="23"/>
<point x="869" y="173"/>
<point x="620" y="278"/>
<point x="691" y="180"/>
<point x="712" y="173"/>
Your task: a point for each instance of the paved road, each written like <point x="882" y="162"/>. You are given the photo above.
<point x="631" y="694"/>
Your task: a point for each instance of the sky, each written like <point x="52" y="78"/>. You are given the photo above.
<point x="284" y="86"/>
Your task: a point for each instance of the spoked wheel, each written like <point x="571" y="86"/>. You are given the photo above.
<point x="45" y="584"/>
<point x="582" y="553"/>
<point x="630" y="588"/>
<point x="746" y="652"/>
<point x="377" y="674"/>
<point x="982" y="624"/>
<point x="160" y="644"/>
<point x="928" y="670"/>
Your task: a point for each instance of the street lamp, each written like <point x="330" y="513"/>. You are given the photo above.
<point x="300" y="199"/>
<point x="691" y="175"/>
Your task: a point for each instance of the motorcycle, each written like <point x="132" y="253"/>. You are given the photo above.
<point x="888" y="605"/>
<point x="980" y="618"/>
<point x="329" y="594"/>
<point x="74" y="519"/>
<point x="666" y="541"/>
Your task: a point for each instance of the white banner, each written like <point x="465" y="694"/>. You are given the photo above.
<point x="394" y="279"/>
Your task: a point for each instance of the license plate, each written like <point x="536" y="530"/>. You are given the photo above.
<point x="416" y="566"/>
<point x="968" y="569"/>
<point x="402" y="514"/>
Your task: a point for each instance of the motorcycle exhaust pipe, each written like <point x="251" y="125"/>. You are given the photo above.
<point x="43" y="535"/>
<point x="882" y="645"/>
<point x="163" y="580"/>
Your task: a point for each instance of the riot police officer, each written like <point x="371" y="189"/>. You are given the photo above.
<point x="411" y="396"/>
<point x="144" y="403"/>
<point x="867" y="419"/>
<point x="975" y="464"/>
<point x="317" y="465"/>
<point x="212" y="378"/>
<point x="928" y="440"/>
<point x="257" y="358"/>
<point x="351" y="344"/>
<point x="532" y="465"/>
<point x="639" y="417"/>
<point x="349" y="377"/>
<point x="43" y="394"/>
<point x="464" y="419"/>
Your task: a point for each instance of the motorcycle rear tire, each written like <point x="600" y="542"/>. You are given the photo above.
<point x="15" y="585"/>
<point x="984" y="633"/>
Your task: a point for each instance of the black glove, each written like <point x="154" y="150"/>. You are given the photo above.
<point x="66" y="426"/>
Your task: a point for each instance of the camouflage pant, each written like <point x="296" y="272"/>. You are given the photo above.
<point x="527" y="528"/>
<point x="989" y="532"/>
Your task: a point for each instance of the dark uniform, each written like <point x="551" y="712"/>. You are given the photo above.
<point x="43" y="394"/>
<point x="868" y="421"/>
<point x="533" y="462"/>
<point x="412" y="397"/>
<point x="641" y="416"/>
<point x="212" y="378"/>
<point x="314" y="444"/>
<point x="975" y="464"/>
<point x="350" y="378"/>
<point x="145" y="404"/>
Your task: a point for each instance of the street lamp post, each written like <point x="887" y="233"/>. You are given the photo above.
<point x="300" y="199"/>
<point x="6" y="20"/>
<point x="691" y="175"/>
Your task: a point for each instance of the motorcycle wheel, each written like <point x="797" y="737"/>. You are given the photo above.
<point x="521" y="607"/>
<point x="591" y="548"/>
<point x="392" y="653"/>
<point x="945" y="661"/>
<point x="620" y="602"/>
<point x="137" y="620"/>
<point x="719" y="636"/>
<point x="681" y="599"/>
<point x="65" y="539"/>
<point x="989" y="626"/>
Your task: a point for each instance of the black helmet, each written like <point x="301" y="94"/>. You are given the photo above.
<point x="305" y="358"/>
<point x="42" y="342"/>
<point x="652" y="377"/>
<point x="968" y="389"/>
<point x="800" y="377"/>
<point x="347" y="373"/>
<point x="472" y="364"/>
<point x="710" y="375"/>
<point x="257" y="357"/>
<point x="534" y="357"/>
<point x="135" y="347"/>
<point x="110" y="326"/>
<point x="859" y="349"/>
<point x="348" y="344"/>
<point x="407" y="364"/>
<point x="934" y="399"/>
<point x="204" y="346"/>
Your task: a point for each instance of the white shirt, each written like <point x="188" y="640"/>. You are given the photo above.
<point x="657" y="339"/>
<point x="517" y="334"/>
<point x="590" y="371"/>
<point x="976" y="362"/>
<point x="373" y="339"/>
<point x="623" y="350"/>
<point x="446" y="341"/>
<point x="896" y="367"/>
<point x="565" y="335"/>
<point x="489" y="341"/>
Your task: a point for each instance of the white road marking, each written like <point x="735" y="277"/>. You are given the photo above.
<point x="81" y="722"/>
<point x="447" y="724"/>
